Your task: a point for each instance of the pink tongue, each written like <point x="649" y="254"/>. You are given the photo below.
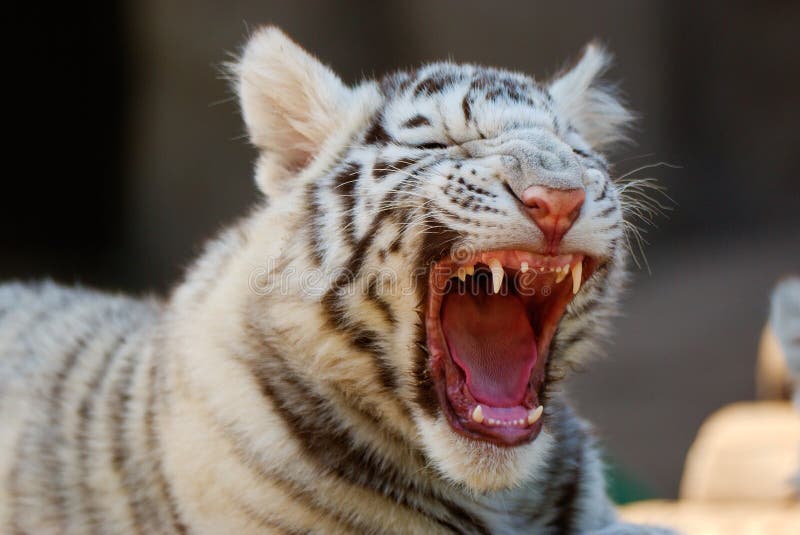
<point x="490" y="338"/>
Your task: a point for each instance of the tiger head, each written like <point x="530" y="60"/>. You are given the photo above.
<point x="468" y="233"/>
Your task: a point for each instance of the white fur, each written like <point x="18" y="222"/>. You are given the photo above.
<point x="590" y="105"/>
<point x="293" y="105"/>
<point x="225" y="447"/>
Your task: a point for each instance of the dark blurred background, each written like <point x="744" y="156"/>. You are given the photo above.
<point x="127" y="151"/>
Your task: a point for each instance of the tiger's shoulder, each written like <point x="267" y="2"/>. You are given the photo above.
<point x="39" y="315"/>
<point x="45" y="327"/>
<point x="51" y="340"/>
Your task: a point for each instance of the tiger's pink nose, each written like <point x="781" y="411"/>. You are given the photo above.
<point x="553" y="210"/>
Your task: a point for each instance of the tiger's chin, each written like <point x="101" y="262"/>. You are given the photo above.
<point x="490" y="321"/>
<point x="479" y="466"/>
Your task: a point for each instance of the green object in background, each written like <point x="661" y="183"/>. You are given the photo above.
<point x="623" y="486"/>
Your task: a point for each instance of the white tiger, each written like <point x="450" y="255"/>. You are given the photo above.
<point x="372" y="350"/>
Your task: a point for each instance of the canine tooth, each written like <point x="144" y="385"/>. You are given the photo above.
<point x="462" y="274"/>
<point x="497" y="274"/>
<point x="523" y="267"/>
<point x="470" y="270"/>
<point x="562" y="274"/>
<point x="477" y="414"/>
<point x="535" y="414"/>
<point x="576" y="277"/>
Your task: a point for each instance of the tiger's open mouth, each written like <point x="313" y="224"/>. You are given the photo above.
<point x="490" y="321"/>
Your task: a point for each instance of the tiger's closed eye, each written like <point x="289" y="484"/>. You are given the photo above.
<point x="432" y="145"/>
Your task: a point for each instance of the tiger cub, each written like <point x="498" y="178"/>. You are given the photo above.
<point x="371" y="350"/>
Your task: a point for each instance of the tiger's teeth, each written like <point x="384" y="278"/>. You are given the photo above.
<point x="535" y="414"/>
<point x="562" y="274"/>
<point x="462" y="274"/>
<point x="497" y="274"/>
<point x="576" y="277"/>
<point x="470" y="270"/>
<point x="477" y="414"/>
<point x="523" y="267"/>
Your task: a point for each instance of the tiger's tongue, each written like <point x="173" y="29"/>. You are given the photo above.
<point x="490" y="338"/>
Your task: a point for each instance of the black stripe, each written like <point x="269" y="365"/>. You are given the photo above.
<point x="130" y="470"/>
<point x="581" y="153"/>
<point x="154" y="452"/>
<point x="56" y="434"/>
<point x="466" y="107"/>
<point x="377" y="299"/>
<point x="417" y="121"/>
<point x="578" y="335"/>
<point x="435" y="245"/>
<point x="396" y="82"/>
<point x="41" y="451"/>
<point x="382" y="168"/>
<point x="356" y="260"/>
<point x="315" y="214"/>
<point x="118" y="413"/>
<point x="377" y="134"/>
<point x="344" y="186"/>
<point x="603" y="192"/>
<point x="565" y="468"/>
<point x="437" y="241"/>
<point x="402" y="163"/>
<point x="86" y="411"/>
<point x="566" y="505"/>
<point x="395" y="244"/>
<point x="425" y="389"/>
<point x="607" y="211"/>
<point x="432" y="85"/>
<point x="556" y="124"/>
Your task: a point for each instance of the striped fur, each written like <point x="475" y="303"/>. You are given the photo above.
<point x="284" y="386"/>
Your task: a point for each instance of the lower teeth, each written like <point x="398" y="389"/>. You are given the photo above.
<point x="533" y="417"/>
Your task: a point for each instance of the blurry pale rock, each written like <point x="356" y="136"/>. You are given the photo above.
<point x="737" y="476"/>
<point x="717" y="518"/>
<point x="744" y="451"/>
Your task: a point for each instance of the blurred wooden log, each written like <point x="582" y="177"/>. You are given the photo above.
<point x="703" y="518"/>
<point x="772" y="374"/>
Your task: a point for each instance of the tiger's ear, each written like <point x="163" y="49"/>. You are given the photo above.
<point x="591" y="106"/>
<point x="291" y="102"/>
